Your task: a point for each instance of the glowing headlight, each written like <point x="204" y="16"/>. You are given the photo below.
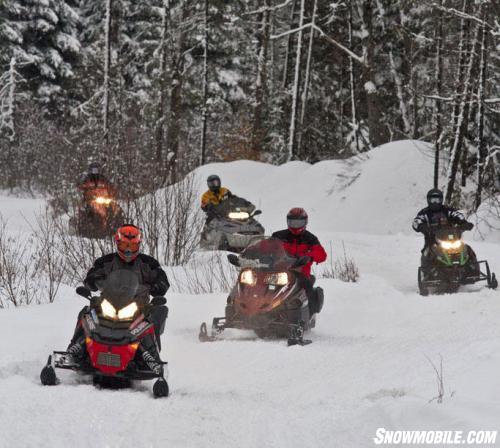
<point x="447" y="245"/>
<point x="238" y="215"/>
<point x="108" y="310"/>
<point x="128" y="312"/>
<point x="278" y="278"/>
<point x="103" y="201"/>
<point x="248" y="277"/>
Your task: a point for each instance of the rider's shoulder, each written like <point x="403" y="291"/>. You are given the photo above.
<point x="310" y="238"/>
<point x="281" y="234"/>
<point x="108" y="258"/>
<point x="149" y="260"/>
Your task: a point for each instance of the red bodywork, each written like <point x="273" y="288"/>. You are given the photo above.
<point x="125" y="352"/>
<point x="262" y="298"/>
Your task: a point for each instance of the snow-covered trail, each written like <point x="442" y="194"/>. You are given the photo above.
<point x="367" y="368"/>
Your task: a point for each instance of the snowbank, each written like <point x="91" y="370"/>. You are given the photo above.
<point x="377" y="193"/>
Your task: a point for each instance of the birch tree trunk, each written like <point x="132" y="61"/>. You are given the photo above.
<point x="295" y="94"/>
<point x="461" y="123"/>
<point x="305" y="91"/>
<point x="438" y="90"/>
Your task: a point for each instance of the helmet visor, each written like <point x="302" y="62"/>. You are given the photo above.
<point x="128" y="247"/>
<point x="296" y="223"/>
<point x="213" y="183"/>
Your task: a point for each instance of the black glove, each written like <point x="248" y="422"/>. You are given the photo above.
<point x="93" y="281"/>
<point x="422" y="227"/>
<point x="468" y="225"/>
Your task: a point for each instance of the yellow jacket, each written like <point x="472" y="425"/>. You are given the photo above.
<point x="209" y="197"/>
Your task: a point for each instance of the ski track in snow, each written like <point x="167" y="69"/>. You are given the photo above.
<point x="367" y="367"/>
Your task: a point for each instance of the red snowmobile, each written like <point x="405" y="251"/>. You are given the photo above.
<point x="99" y="216"/>
<point x="117" y="327"/>
<point x="269" y="296"/>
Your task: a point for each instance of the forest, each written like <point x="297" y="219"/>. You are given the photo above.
<point x="155" y="88"/>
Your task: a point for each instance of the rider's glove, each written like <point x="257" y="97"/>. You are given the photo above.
<point x="468" y="226"/>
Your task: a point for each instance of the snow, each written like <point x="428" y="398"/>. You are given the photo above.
<point x="367" y="367"/>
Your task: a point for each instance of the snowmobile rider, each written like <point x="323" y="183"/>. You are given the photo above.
<point x="299" y="242"/>
<point x="213" y="196"/>
<point x="94" y="180"/>
<point x="128" y="257"/>
<point x="436" y="214"/>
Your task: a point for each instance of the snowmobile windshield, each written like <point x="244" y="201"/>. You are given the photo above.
<point x="267" y="254"/>
<point x="448" y="233"/>
<point x="122" y="287"/>
<point x="234" y="204"/>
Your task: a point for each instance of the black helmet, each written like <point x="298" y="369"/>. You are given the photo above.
<point x="94" y="168"/>
<point x="435" y="198"/>
<point x="213" y="183"/>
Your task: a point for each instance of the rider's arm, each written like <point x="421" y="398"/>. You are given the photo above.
<point x="420" y="222"/>
<point x="158" y="281"/>
<point x="457" y="217"/>
<point x="96" y="273"/>
<point x="206" y="202"/>
<point x="316" y="251"/>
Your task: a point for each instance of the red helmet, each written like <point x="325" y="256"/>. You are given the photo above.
<point x="128" y="242"/>
<point x="296" y="220"/>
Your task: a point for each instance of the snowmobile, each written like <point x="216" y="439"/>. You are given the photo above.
<point x="98" y="217"/>
<point x="116" y="325"/>
<point x="453" y="264"/>
<point x="233" y="227"/>
<point x="269" y="297"/>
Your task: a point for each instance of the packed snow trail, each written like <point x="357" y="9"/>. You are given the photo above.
<point x="367" y="368"/>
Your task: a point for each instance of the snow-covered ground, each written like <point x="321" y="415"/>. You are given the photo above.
<point x="368" y="366"/>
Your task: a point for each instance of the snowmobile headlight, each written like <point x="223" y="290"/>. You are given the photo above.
<point x="108" y="310"/>
<point x="238" y="215"/>
<point x="103" y="201"/>
<point x="248" y="277"/>
<point x="128" y="312"/>
<point x="278" y="279"/>
<point x="450" y="245"/>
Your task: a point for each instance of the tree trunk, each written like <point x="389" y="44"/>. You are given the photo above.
<point x="258" y="131"/>
<point x="461" y="125"/>
<point x="286" y="65"/>
<point x="305" y="91"/>
<point x="161" y="119"/>
<point x="481" y="144"/>
<point x="203" y="143"/>
<point x="438" y="90"/>
<point x="354" y="120"/>
<point x="107" y="67"/>
<point x="378" y="134"/>
<point x="295" y="94"/>
<point x="176" y="105"/>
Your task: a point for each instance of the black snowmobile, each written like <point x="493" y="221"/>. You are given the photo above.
<point x="452" y="263"/>
<point x="233" y="227"/>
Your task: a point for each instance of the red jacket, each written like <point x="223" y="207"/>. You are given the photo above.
<point x="300" y="245"/>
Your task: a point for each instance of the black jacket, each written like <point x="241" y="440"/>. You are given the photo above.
<point x="149" y="271"/>
<point x="427" y="218"/>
